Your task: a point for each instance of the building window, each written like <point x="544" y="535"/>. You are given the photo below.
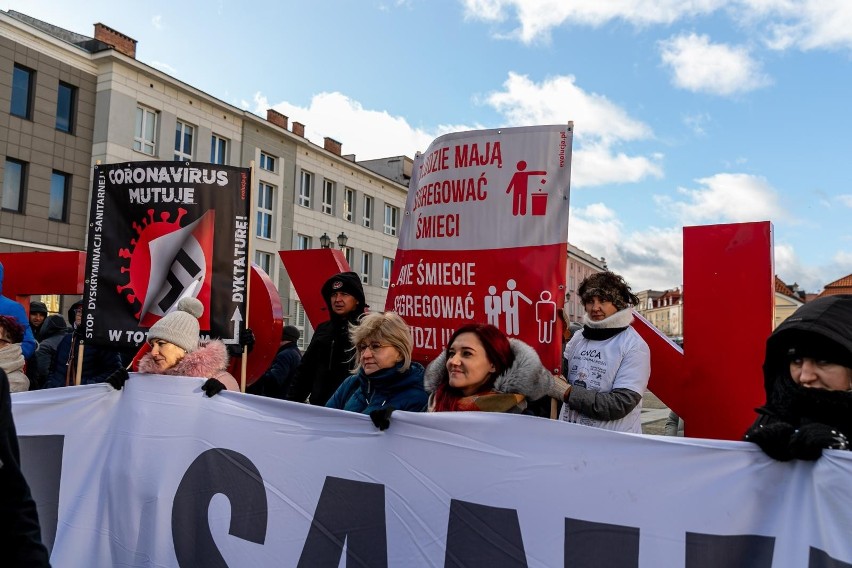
<point x="60" y="188"/>
<point x="66" y="104"/>
<point x="184" y="134"/>
<point x="146" y="128"/>
<point x="391" y="219"/>
<point x="328" y="197"/>
<point x="347" y="254"/>
<point x="265" y="200"/>
<point x="14" y="178"/>
<point x="349" y="204"/>
<point x="299" y="322"/>
<point x="366" y="259"/>
<point x="267" y="162"/>
<point x="368" y="211"/>
<point x="305" y="189"/>
<point x="303" y="242"/>
<point x="263" y="260"/>
<point x="22" y="91"/>
<point x="387" y="268"/>
<point x="218" y="150"/>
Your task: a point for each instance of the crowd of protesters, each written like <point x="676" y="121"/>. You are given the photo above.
<point x="361" y="361"/>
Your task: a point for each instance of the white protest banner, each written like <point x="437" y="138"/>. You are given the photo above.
<point x="160" y="475"/>
<point x="484" y="238"/>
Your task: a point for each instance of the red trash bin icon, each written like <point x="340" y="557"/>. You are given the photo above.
<point x="539" y="203"/>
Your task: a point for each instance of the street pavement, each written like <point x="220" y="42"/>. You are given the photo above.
<point x="654" y="414"/>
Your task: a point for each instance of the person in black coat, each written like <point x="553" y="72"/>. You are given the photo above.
<point x="53" y="330"/>
<point x="20" y="533"/>
<point x="98" y="362"/>
<point x="807" y="376"/>
<point x="330" y="357"/>
<point x="275" y="382"/>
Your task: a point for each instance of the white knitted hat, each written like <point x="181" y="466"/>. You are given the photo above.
<point x="180" y="326"/>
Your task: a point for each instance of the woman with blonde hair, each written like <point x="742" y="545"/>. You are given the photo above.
<point x="385" y="378"/>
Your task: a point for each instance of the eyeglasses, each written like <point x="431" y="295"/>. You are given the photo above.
<point x="374" y="346"/>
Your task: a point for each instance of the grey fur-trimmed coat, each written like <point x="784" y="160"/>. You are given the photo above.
<point x="526" y="376"/>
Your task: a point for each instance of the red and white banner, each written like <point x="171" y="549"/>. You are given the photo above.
<point x="484" y="238"/>
<point x="157" y="474"/>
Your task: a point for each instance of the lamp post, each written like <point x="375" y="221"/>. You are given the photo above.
<point x="341" y="239"/>
<point x="325" y="241"/>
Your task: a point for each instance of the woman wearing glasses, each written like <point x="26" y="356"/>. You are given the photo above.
<point x="385" y="378"/>
<point x="11" y="358"/>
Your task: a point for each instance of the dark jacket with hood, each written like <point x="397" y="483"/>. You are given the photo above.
<point x="330" y="357"/>
<point x="9" y="307"/>
<point x="275" y="382"/>
<point x="20" y="535"/>
<point x="823" y="326"/>
<point x="98" y="362"/>
<point x="53" y="330"/>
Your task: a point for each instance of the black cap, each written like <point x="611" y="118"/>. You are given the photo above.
<point x="38" y="308"/>
<point x="290" y="333"/>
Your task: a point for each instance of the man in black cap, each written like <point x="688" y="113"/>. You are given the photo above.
<point x="275" y="382"/>
<point x="38" y="313"/>
<point x="330" y="356"/>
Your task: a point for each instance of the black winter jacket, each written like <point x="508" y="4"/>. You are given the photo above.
<point x="20" y="534"/>
<point x="825" y="321"/>
<point x="330" y="357"/>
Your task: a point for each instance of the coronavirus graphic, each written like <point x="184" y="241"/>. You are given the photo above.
<point x="167" y="260"/>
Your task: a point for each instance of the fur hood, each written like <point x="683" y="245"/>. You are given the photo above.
<point x="206" y="361"/>
<point x="526" y="376"/>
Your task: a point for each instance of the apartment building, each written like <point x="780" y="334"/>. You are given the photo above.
<point x="68" y="101"/>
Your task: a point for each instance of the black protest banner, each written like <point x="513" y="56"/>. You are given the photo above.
<point x="161" y="231"/>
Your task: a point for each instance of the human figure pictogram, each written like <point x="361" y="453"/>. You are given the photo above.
<point x="510" y="307"/>
<point x="545" y="315"/>
<point x="519" y="186"/>
<point x="493" y="307"/>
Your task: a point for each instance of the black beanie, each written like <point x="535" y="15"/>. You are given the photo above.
<point x="348" y="282"/>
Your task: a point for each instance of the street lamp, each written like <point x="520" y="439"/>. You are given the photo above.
<point x="341" y="239"/>
<point x="325" y="241"/>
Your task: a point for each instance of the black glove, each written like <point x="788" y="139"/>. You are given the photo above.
<point x="246" y="340"/>
<point x="117" y="378"/>
<point x="773" y="439"/>
<point x="381" y="417"/>
<point x="810" y="440"/>
<point x="212" y="387"/>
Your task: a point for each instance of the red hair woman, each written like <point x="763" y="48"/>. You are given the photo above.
<point x="482" y="369"/>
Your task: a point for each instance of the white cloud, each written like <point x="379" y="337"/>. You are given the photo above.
<point x="647" y="259"/>
<point x="701" y="66"/>
<point x="802" y="24"/>
<point x="366" y="133"/>
<point x="735" y="198"/>
<point x="806" y="25"/>
<point x="845" y="199"/>
<point x="696" y="122"/>
<point x="536" y="18"/>
<point x="600" y="126"/>
<point x="157" y="22"/>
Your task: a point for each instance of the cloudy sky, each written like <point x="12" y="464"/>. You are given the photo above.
<point x="686" y="112"/>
